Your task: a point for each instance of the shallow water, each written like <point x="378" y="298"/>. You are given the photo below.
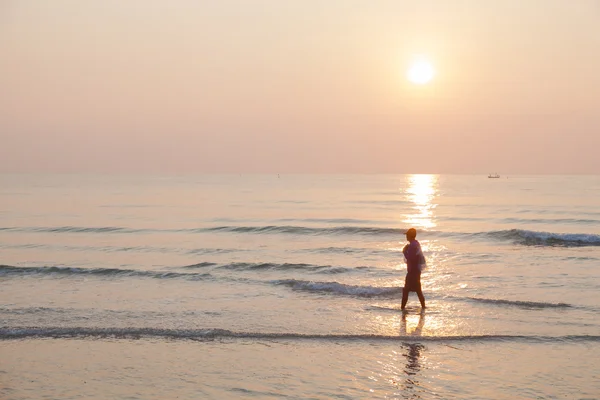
<point x="259" y="286"/>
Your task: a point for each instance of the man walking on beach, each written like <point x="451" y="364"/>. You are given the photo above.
<point x="414" y="260"/>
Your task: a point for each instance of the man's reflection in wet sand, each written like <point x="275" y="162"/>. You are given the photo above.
<point x="419" y="328"/>
<point x="412" y="354"/>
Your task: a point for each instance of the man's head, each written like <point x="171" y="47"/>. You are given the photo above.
<point x="411" y="234"/>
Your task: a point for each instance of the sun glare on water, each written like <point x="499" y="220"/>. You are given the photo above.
<point x="420" y="72"/>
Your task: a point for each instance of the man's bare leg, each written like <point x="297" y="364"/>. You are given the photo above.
<point x="404" y="297"/>
<point x="421" y="298"/>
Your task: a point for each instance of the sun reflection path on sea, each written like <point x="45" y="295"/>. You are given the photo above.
<point x="422" y="191"/>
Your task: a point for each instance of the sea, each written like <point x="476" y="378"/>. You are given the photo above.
<point x="289" y="287"/>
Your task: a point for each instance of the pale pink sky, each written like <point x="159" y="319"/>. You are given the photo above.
<point x="299" y="86"/>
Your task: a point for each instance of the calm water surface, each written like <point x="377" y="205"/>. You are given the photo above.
<point x="289" y="287"/>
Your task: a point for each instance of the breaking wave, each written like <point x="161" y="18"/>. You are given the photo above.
<point x="8" y="270"/>
<point x="327" y="269"/>
<point x="517" y="236"/>
<point x="245" y="266"/>
<point x="303" y="230"/>
<point x="337" y="288"/>
<point x="517" y="303"/>
<point x="534" y="238"/>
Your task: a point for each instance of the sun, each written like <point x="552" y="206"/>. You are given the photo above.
<point x="420" y="72"/>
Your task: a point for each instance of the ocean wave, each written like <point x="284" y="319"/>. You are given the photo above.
<point x="349" y="250"/>
<point x="104" y="249"/>
<point x="579" y="221"/>
<point x="303" y="230"/>
<point x="328" y="220"/>
<point x="246" y="266"/>
<point x="75" y="229"/>
<point x="78" y="313"/>
<point x="7" y="333"/>
<point x="213" y="251"/>
<point x="8" y="270"/>
<point x="534" y="238"/>
<point x="335" y="250"/>
<point x="565" y="211"/>
<point x="121" y="249"/>
<point x="79" y="229"/>
<point x="285" y="267"/>
<point x="201" y="265"/>
<point x="513" y="220"/>
<point x="518" y="303"/>
<point x="337" y="288"/>
<point x="517" y="236"/>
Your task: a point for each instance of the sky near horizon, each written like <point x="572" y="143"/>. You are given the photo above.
<point x="307" y="86"/>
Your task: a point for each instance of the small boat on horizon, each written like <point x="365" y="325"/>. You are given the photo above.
<point x="494" y="175"/>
